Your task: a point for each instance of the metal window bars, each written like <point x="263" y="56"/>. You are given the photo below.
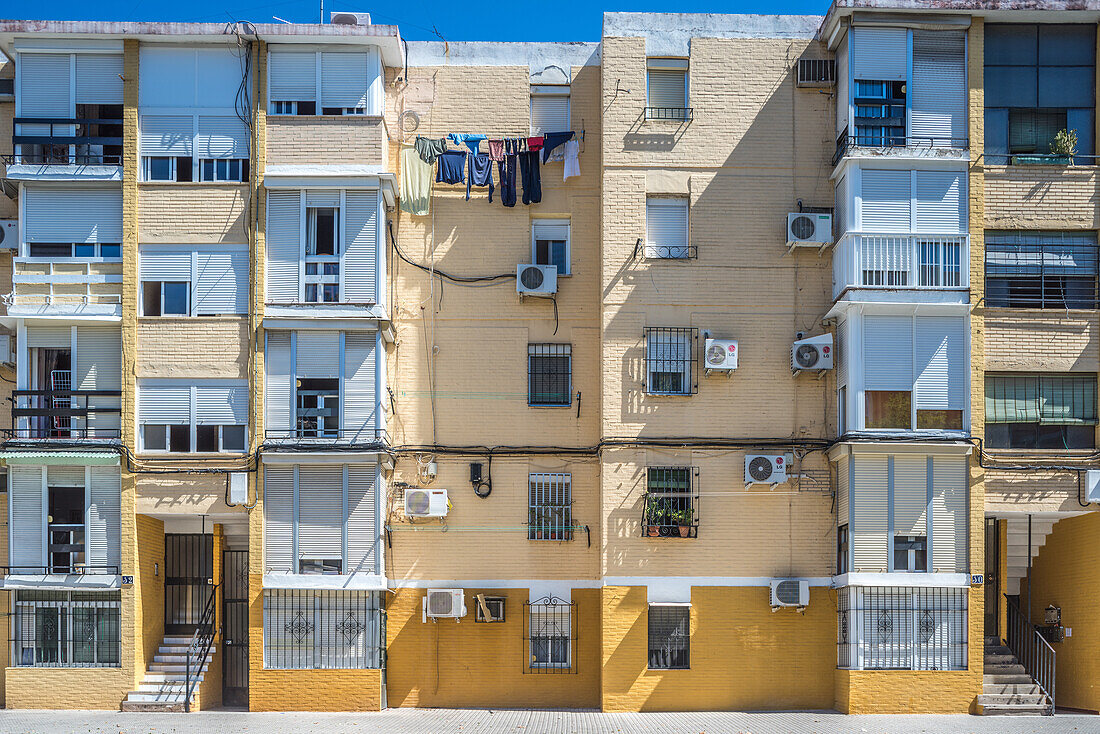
<point x="66" y="629"/>
<point x="1042" y="270"/>
<point x="1043" y="399"/>
<point x="671" y="505"/>
<point x="67" y="141"/>
<point x="669" y="636"/>
<point x="681" y="114"/>
<point x="550" y="635"/>
<point x="670" y="358"/>
<point x="49" y="414"/>
<point x="550" y="507"/>
<point x="900" y="628"/>
<point x="549" y="374"/>
<point x="816" y="72"/>
<point x="888" y="131"/>
<point x="311" y="630"/>
<point x="900" y="261"/>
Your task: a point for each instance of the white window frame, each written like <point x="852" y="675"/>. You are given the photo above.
<point x="544" y="91"/>
<point x="675" y="252"/>
<point x="187" y="311"/>
<point x="662" y="63"/>
<point x="536" y="224"/>
<point x="217" y="177"/>
<point x="192" y="424"/>
<point x="147" y="164"/>
<point x="291" y="106"/>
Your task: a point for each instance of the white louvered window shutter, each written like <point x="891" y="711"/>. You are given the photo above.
<point x="344" y="80"/>
<point x="277" y="383"/>
<point x="169" y="404"/>
<point x="44" y="89"/>
<point x="886" y="197"/>
<point x="880" y="54"/>
<point x="221" y="404"/>
<point x="99" y="367"/>
<point x="320" y="512"/>
<point x="63" y="214"/>
<point x="164" y="263"/>
<point x="222" y="137"/>
<point x="221" y="283"/>
<point x="910" y="495"/>
<point x="317" y="354"/>
<point x="167" y="135"/>
<point x="104" y="516"/>
<point x="360" y="257"/>
<point x="360" y="401"/>
<point x="888" y="352"/>
<point x="941" y="373"/>
<point x="27" y="534"/>
<point x="56" y="337"/>
<point x="549" y="113"/>
<point x="941" y="202"/>
<point x="666" y="227"/>
<point x="293" y="76"/>
<point x="98" y="78"/>
<point x="667" y="87"/>
<point x="869" y="498"/>
<point x="283" y="245"/>
<point x="949" y="516"/>
<point x="279" y="519"/>
<point x="363" y="520"/>
<point x="938" y="98"/>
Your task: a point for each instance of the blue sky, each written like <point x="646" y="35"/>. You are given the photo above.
<point x="474" y="20"/>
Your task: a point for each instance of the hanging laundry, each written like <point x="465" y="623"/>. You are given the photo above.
<point x="572" y="165"/>
<point x="529" y="172"/>
<point x="430" y="148"/>
<point x="416" y="182"/>
<point x="512" y="146"/>
<point x="534" y="143"/>
<point x="496" y="150"/>
<point x="452" y="167"/>
<point x="481" y="174"/>
<point x="552" y="141"/>
<point x="507" y="170"/>
<point x="471" y="140"/>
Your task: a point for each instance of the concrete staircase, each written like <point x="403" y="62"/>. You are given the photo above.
<point x="1017" y="548"/>
<point x="164" y="684"/>
<point x="1006" y="689"/>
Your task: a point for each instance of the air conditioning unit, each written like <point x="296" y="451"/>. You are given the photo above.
<point x="9" y="234"/>
<point x="765" y="469"/>
<point x="1092" y="485"/>
<point x="536" y="280"/>
<point x="340" y="18"/>
<point x="816" y="72"/>
<point x="809" y="230"/>
<point x="790" y="593"/>
<point x="426" y="502"/>
<point x="445" y="603"/>
<point x="814" y="353"/>
<point x="720" y="354"/>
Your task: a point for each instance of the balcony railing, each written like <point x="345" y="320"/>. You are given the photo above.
<point x="901" y="262"/>
<point x="66" y="414"/>
<point x="66" y="547"/>
<point x="65" y="283"/>
<point x="315" y="436"/>
<point x="66" y="141"/>
<point x="845" y="142"/>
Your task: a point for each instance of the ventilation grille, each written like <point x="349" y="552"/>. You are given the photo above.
<point x="816" y="72"/>
<point x="788" y="592"/>
<point x="440" y="603"/>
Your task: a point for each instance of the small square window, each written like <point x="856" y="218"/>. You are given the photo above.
<point x="233" y="438"/>
<point x="550" y="244"/>
<point x="110" y="250"/>
<point x="160" y="168"/>
<point x="667" y="230"/>
<point x="670" y="361"/>
<point x="84" y="250"/>
<point x="910" y="553"/>
<point x="488" y="608"/>
<point x="549" y="375"/>
<point x="667" y="89"/>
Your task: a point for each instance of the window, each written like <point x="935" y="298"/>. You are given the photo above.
<point x="207" y="418"/>
<point x="294" y="108"/>
<point x="67" y="629"/>
<point x="893" y="628"/>
<point x="166" y="168"/>
<point x="842" y="541"/>
<point x="669" y="636"/>
<point x="670" y="508"/>
<point x="879" y="112"/>
<point x="550" y="507"/>
<point x="223" y="169"/>
<point x="888" y="409"/>
<point x="488" y="608"/>
<point x="549" y="374"/>
<point x="323" y="231"/>
<point x="192" y="147"/>
<point x="65" y="529"/>
<point x="104" y="250"/>
<point x="323" y="566"/>
<point x="322" y="267"/>
<point x="306" y="630"/>
<point x="667" y="89"/>
<point x="318" y="413"/>
<point x="333" y="82"/>
<point x="910" y="553"/>
<point x="165" y="298"/>
<point x="549" y="632"/>
<point x="1040" y="411"/>
<point x="1041" y="269"/>
<point x="550" y="109"/>
<point x="550" y="243"/>
<point x="842" y="410"/>
<point x="670" y="361"/>
<point x="210" y="281"/>
<point x="667" y="231"/>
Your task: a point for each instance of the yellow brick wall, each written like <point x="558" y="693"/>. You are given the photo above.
<point x="314" y="690"/>
<point x="6" y="268"/>
<point x="69" y="688"/>
<point x="149" y="574"/>
<point x="1031" y="491"/>
<point x="324" y="140"/>
<point x="206" y="347"/>
<point x="201" y="213"/>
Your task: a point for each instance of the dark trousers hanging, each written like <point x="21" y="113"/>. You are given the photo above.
<point x="507" y="170"/>
<point x="529" y="172"/>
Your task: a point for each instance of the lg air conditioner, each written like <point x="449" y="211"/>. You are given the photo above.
<point x="720" y="354"/>
<point x="426" y="502"/>
<point x="790" y="593"/>
<point x="9" y="231"/>
<point x="342" y="18"/>
<point x="809" y="230"/>
<point x="444" y="603"/>
<point x="536" y="280"/>
<point x="814" y="353"/>
<point x="765" y="469"/>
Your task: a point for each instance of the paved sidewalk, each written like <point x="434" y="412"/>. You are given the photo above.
<point x="479" y="721"/>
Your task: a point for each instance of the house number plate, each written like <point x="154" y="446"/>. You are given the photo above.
<point x="977" y="579"/>
<point x="127" y="580"/>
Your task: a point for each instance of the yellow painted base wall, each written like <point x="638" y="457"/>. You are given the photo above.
<point x="67" y="688"/>
<point x="743" y="656"/>
<point x="150" y="593"/>
<point x="314" y="690"/>
<point x="1066" y="573"/>
<point x="472" y="664"/>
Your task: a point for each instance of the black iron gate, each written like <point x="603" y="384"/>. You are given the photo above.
<point x="235" y="637"/>
<point x="188" y="580"/>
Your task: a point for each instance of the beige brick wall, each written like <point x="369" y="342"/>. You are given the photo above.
<point x="1041" y="197"/>
<point x="9" y="208"/>
<point x="1041" y="341"/>
<point x="200" y="213"/>
<point x="1032" y="491"/>
<point x="348" y="139"/>
<point x="205" y="347"/>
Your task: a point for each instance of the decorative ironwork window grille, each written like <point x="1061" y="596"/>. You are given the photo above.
<point x="323" y="629"/>
<point x="549" y="374"/>
<point x="670" y="360"/>
<point x="550" y="635"/>
<point x="550" y="507"/>
<point x="1042" y="269"/>
<point x="66" y="629"/>
<point x="899" y="628"/>
<point x="669" y="636"/>
<point x="671" y="507"/>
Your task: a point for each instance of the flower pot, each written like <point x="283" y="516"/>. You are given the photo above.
<point x="653" y="531"/>
<point x="685" y="531"/>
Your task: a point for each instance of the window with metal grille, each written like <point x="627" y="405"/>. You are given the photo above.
<point x="842" y="549"/>
<point x="550" y="507"/>
<point x="667" y="229"/>
<point x="549" y="374"/>
<point x="488" y="609"/>
<point x="1041" y="269"/>
<point x="669" y="636"/>
<point x="894" y="628"/>
<point x="670" y="361"/>
<point x="816" y="72"/>
<point x="1040" y="411"/>
<point x="667" y="89"/>
<point x="671" y="507"/>
<point x="549" y="634"/>
<point x="306" y="630"/>
<point x="66" y="629"/>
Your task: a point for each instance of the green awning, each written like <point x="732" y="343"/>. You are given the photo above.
<point x="49" y="458"/>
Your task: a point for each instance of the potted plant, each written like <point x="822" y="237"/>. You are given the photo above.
<point x="683" y="518"/>
<point x="1064" y="146"/>
<point x="655" y="512"/>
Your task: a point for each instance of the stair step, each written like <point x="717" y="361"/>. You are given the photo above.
<point x="174" y="667"/>
<point x="155" y="676"/>
<point x="155" y="696"/>
<point x="1000" y="699"/>
<point x="1005" y="669"/>
<point x="1014" y="709"/>
<point x="1006" y="678"/>
<point x="153" y="706"/>
<point x="1017" y="689"/>
<point x="174" y="686"/>
<point x="999" y="659"/>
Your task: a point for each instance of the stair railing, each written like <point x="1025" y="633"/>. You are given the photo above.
<point x="1032" y="650"/>
<point x="199" y="649"/>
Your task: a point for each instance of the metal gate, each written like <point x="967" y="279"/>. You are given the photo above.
<point x="235" y="639"/>
<point x="188" y="580"/>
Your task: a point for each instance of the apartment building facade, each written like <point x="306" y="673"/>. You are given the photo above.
<point x="777" y="392"/>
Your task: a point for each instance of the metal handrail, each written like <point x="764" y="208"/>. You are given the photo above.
<point x="199" y="649"/>
<point x="1032" y="650"/>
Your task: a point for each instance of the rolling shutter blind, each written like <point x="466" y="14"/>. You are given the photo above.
<point x="910" y="495"/>
<point x="949" y="531"/>
<point x="941" y="363"/>
<point x="222" y="137"/>
<point x="279" y="518"/>
<point x="99" y="367"/>
<point x="545" y="231"/>
<point x="317" y="354"/>
<point x="221" y="283"/>
<point x="72" y="214"/>
<point x="667" y="88"/>
<point x="28" y="528"/>
<point x="362" y="519"/>
<point x="293" y="76"/>
<point x="666" y="222"/>
<point x="886" y="198"/>
<point x="320" y="512"/>
<point x="277" y="383"/>
<point x="938" y="99"/>
<point x="65" y="476"/>
<point x="221" y="404"/>
<point x="164" y="404"/>
<point x="344" y="80"/>
<point x="284" y="245"/>
<point x="44" y="85"/>
<point x="359" y="386"/>
<point x="888" y="352"/>
<point x="549" y="113"/>
<point x="104" y="516"/>
<point x="844" y="106"/>
<point x="99" y="78"/>
<point x="940" y="202"/>
<point x="167" y="135"/>
<point x="54" y="337"/>
<point x="880" y="54"/>
<point x="869" y="495"/>
<point x="361" y="254"/>
<point x="323" y="198"/>
<point x="159" y="264"/>
<point x="842" y="490"/>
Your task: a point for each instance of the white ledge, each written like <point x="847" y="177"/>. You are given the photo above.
<point x="355" y="581"/>
<point x="922" y="580"/>
<point x="62" y="581"/>
<point x="50" y="172"/>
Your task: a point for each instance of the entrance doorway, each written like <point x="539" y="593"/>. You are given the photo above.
<point x="235" y="638"/>
<point x="992" y="578"/>
<point x="188" y="580"/>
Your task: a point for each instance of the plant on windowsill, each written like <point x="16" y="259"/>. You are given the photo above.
<point x="683" y="518"/>
<point x="1062" y="150"/>
<point x="656" y="515"/>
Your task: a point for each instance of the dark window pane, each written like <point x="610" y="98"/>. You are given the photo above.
<point x="38" y="249"/>
<point x="110" y="250"/>
<point x="940" y="419"/>
<point x="159" y="169"/>
<point x="155" y="437"/>
<point x="183" y="169"/>
<point x="233" y="438"/>
<point x="179" y="439"/>
<point x="548" y="374"/>
<point x="84" y="249"/>
<point x="150" y="301"/>
<point x="331" y="292"/>
<point x="996" y="435"/>
<point x="175" y="299"/>
<point x="206" y="438"/>
<point x="307" y="107"/>
<point x="326" y="232"/>
<point x="669" y="637"/>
